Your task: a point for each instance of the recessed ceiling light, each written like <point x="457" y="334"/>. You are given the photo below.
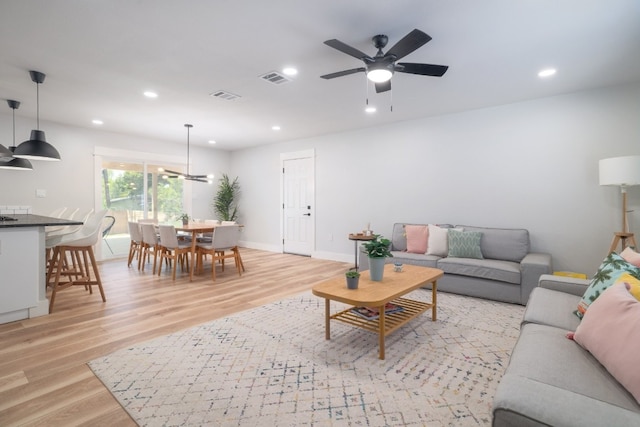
<point x="370" y="109"/>
<point x="547" y="72"/>
<point x="150" y="94"/>
<point x="211" y="141"/>
<point x="276" y="127"/>
<point x="97" y="122"/>
<point x="290" y="71"/>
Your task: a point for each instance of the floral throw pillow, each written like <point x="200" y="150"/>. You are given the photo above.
<point x="610" y="270"/>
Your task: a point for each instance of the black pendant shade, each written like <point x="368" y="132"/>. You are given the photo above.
<point x="5" y="154"/>
<point x="15" y="163"/>
<point x="37" y="147"/>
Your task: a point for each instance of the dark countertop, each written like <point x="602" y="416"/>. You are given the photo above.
<point x="28" y="220"/>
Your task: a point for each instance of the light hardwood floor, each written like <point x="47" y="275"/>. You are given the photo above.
<point x="44" y="379"/>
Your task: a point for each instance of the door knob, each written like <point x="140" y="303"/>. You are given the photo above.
<point x="307" y="214"/>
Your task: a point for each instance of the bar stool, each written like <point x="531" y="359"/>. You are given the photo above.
<point x="78" y="246"/>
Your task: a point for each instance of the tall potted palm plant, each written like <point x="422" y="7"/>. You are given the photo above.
<point x="225" y="203"/>
<point x="377" y="250"/>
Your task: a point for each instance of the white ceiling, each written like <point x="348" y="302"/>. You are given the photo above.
<point x="100" y="55"/>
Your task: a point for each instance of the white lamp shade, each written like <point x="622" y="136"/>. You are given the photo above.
<point x="620" y="171"/>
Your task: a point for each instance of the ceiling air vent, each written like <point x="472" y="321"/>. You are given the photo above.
<point x="275" y="78"/>
<point x="227" y="96"/>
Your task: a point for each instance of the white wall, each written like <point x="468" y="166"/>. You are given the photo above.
<point x="70" y="182"/>
<point x="530" y="165"/>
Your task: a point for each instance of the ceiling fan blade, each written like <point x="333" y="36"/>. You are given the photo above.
<point x="173" y="172"/>
<point x="422" y="69"/>
<point x="408" y="44"/>
<point x="383" y="87"/>
<point x="343" y="73"/>
<point x="351" y="51"/>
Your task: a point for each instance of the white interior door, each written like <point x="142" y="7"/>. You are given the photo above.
<point x="298" y="206"/>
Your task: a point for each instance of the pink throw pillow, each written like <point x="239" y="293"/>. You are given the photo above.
<point x="631" y="256"/>
<point x="417" y="236"/>
<point x="610" y="331"/>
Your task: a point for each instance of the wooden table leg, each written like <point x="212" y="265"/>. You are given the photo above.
<point x="193" y="255"/>
<point x="381" y="331"/>
<point x="434" y="299"/>
<point x="327" y="318"/>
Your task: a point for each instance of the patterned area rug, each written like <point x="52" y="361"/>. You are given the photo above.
<point x="272" y="366"/>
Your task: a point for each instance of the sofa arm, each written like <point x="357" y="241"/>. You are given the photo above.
<point x="532" y="266"/>
<point x="569" y="285"/>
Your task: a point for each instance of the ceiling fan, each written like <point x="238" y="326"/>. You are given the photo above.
<point x="381" y="67"/>
<point x="188" y="176"/>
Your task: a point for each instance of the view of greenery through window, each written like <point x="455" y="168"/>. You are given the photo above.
<point x="122" y="190"/>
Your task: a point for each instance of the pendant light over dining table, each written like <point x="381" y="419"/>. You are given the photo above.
<point x="14" y="163"/>
<point x="37" y="147"/>
<point x="188" y="176"/>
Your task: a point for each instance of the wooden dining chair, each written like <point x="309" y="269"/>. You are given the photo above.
<point x="225" y="238"/>
<point x="173" y="250"/>
<point x="135" y="247"/>
<point x="150" y="245"/>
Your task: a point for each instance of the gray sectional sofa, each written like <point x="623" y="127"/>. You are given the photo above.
<point x="508" y="272"/>
<point x="552" y="380"/>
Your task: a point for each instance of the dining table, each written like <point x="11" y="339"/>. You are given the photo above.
<point x="195" y="228"/>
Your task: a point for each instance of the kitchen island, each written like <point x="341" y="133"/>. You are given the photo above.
<point x="23" y="292"/>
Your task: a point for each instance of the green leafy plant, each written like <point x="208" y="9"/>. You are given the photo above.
<point x="225" y="203"/>
<point x="378" y="247"/>
<point x="183" y="217"/>
<point x="352" y="274"/>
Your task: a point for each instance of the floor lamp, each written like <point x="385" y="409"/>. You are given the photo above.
<point x="622" y="172"/>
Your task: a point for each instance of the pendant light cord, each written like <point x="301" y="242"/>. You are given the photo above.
<point x="37" y="106"/>
<point x="188" y="154"/>
<point x="14" y="126"/>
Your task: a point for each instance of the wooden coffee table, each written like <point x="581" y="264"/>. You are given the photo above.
<point x="377" y="294"/>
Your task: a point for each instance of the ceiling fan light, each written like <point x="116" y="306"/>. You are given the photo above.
<point x="37" y="148"/>
<point x="379" y="75"/>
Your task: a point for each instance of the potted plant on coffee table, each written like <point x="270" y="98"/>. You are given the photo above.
<point x="377" y="250"/>
<point x="353" y="277"/>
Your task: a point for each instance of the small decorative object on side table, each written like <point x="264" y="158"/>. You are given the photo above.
<point x="359" y="237"/>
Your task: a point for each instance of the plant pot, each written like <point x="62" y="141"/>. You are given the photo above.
<point x="376" y="269"/>
<point x="185" y="222"/>
<point x="352" y="282"/>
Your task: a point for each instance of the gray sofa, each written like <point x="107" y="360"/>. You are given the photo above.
<point x="550" y="379"/>
<point x="508" y="272"/>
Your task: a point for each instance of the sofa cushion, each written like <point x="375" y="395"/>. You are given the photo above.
<point x="414" y="259"/>
<point x="545" y="355"/>
<point x="416" y="238"/>
<point x="610" y="270"/>
<point x="609" y="330"/>
<point x="508" y="244"/>
<point x="502" y="271"/>
<point x="631" y="256"/>
<point x="553" y="308"/>
<point x="464" y="244"/>
<point x="438" y="241"/>
<point x="634" y="284"/>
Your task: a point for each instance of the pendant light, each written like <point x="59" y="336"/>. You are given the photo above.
<point x="37" y="147"/>
<point x="15" y="163"/>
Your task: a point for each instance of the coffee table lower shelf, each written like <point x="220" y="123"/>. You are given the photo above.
<point x="392" y="321"/>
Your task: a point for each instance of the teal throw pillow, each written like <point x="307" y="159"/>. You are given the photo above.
<point x="610" y="270"/>
<point x="465" y="244"/>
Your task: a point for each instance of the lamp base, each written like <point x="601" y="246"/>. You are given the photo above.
<point x="622" y="238"/>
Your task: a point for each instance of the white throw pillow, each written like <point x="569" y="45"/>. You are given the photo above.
<point x="437" y="244"/>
